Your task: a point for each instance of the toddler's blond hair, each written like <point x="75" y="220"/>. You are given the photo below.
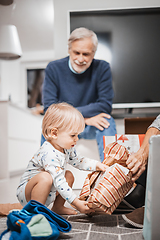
<point x="64" y="117"/>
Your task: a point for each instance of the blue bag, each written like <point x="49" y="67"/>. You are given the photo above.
<point x="35" y="221"/>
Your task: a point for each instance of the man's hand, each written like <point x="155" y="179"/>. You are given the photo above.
<point x="137" y="164"/>
<point x="99" y="121"/>
<point x="138" y="161"/>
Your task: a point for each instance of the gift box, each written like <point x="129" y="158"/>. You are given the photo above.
<point x="131" y="142"/>
<point x="105" y="191"/>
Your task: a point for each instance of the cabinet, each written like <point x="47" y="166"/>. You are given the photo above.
<point x="137" y="125"/>
<point x="20" y="133"/>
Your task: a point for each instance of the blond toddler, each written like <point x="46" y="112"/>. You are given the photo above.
<point x="46" y="179"/>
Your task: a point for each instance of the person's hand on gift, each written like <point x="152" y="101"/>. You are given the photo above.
<point x="101" y="167"/>
<point x="82" y="206"/>
<point x="136" y="163"/>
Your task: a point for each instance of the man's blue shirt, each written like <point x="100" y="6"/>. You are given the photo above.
<point x="90" y="92"/>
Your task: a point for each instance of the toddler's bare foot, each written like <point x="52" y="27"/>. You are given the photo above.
<point x="63" y="211"/>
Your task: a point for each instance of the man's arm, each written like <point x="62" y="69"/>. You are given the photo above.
<point x="138" y="161"/>
<point x="96" y="113"/>
<point x="49" y="88"/>
<point x="102" y="81"/>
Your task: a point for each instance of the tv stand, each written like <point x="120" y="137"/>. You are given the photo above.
<point x="137" y="117"/>
<point x="136" y="105"/>
<point x="129" y="110"/>
<point x="132" y="110"/>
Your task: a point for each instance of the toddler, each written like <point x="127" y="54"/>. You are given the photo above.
<point x="45" y="179"/>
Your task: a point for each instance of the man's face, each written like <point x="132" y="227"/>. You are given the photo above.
<point x="81" y="54"/>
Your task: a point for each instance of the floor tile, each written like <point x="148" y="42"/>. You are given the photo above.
<point x="2" y="224"/>
<point x="101" y="236"/>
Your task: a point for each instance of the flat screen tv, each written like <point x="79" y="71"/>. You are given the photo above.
<point x="130" y="41"/>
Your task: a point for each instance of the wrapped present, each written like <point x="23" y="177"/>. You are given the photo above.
<point x="131" y="142"/>
<point x="115" y="153"/>
<point x="105" y="190"/>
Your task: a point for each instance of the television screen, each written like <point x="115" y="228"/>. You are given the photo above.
<point x="130" y="41"/>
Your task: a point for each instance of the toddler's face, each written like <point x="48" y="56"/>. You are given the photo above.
<point x="65" y="140"/>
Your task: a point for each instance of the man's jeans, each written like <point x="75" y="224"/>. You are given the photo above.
<point x="91" y="132"/>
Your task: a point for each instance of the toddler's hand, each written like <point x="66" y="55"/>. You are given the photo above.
<point x="101" y="167"/>
<point x="82" y="206"/>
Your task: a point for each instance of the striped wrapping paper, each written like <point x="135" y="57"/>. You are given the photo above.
<point x="105" y="191"/>
<point x="115" y="153"/>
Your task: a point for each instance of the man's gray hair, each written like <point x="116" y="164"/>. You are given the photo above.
<point x="81" y="33"/>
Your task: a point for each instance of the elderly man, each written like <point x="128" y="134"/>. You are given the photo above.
<point x="85" y="83"/>
<point x="137" y="164"/>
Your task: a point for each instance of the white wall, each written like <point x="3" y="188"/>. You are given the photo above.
<point x="13" y="75"/>
<point x="10" y="77"/>
<point x="62" y="9"/>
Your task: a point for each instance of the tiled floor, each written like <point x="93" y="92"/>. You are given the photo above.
<point x="101" y="227"/>
<point x="83" y="227"/>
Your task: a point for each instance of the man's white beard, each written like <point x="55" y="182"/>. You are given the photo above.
<point x="81" y="64"/>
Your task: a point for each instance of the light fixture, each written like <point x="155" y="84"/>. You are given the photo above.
<point x="10" y="47"/>
<point x="6" y="2"/>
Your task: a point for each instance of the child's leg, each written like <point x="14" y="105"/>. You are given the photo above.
<point x="58" y="205"/>
<point x="38" y="187"/>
